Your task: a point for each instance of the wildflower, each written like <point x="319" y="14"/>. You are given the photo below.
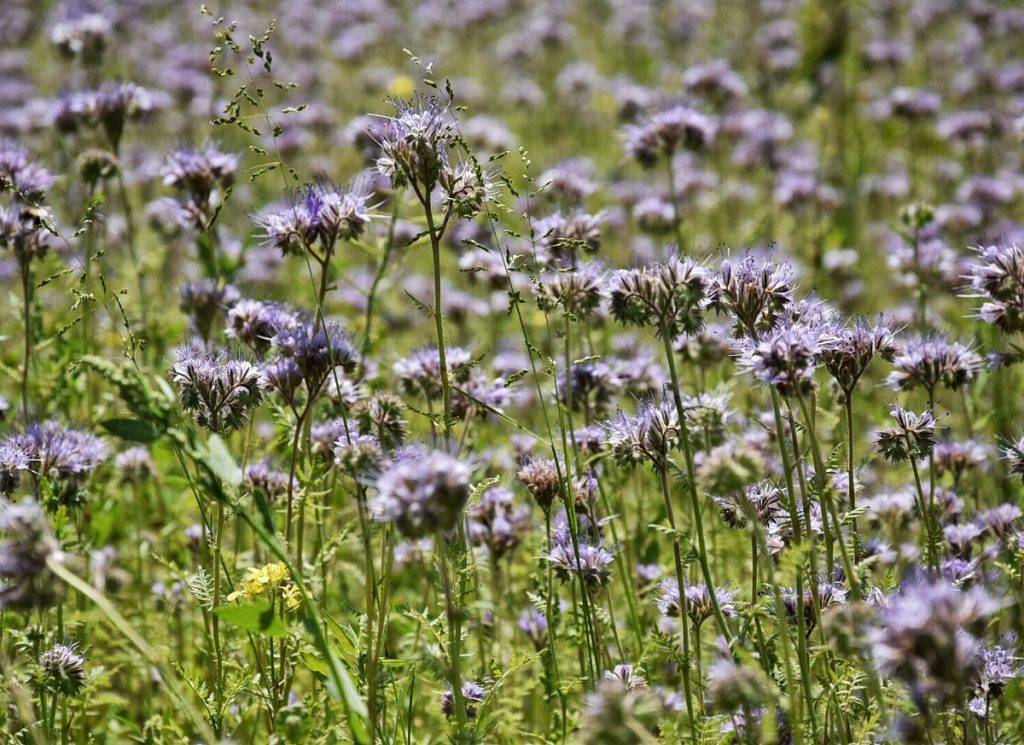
<point x="647" y="437"/>
<point x="755" y="292"/>
<point x="734" y="686"/>
<point x="270" y="582"/>
<point x="956" y="458"/>
<point x="256" y="323"/>
<point x="62" y="670"/>
<point x="996" y="667"/>
<point x="930" y="361"/>
<point x="360" y="456"/>
<point x="621" y="710"/>
<point x="593" y="565"/>
<point x="786" y="357"/>
<point x="261" y="475"/>
<point x="666" y="296"/>
<point x="219" y="391"/>
<point x="381" y="416"/>
<point x="318" y="219"/>
<point x="422" y="492"/>
<point x="663" y="134"/>
<point x="1001" y="520"/>
<point x="849" y="349"/>
<point x="316" y="350"/>
<point x="21" y="175"/>
<point x="14" y="458"/>
<point x="415" y="143"/>
<point x="83" y="33"/>
<point x="203" y="300"/>
<point x="540" y="477"/>
<point x="592" y="386"/>
<point x="473" y="694"/>
<point x="577" y="290"/>
<point x="559" y="237"/>
<point x="698" y="601"/>
<point x="497" y="522"/>
<point x="913" y="436"/>
<point x="420" y="372"/>
<point x="1014" y="453"/>
<point x="534" y="624"/>
<point x="998" y="278"/>
<point x="926" y="638"/>
<point x="134" y="465"/>
<point x="199" y="173"/>
<point x="26" y="545"/>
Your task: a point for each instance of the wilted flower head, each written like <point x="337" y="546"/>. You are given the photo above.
<point x="930" y="361"/>
<point x="62" y="670"/>
<point x="540" y="477"/>
<point x="218" y="390"/>
<point x="756" y="292"/>
<point x="666" y="296"/>
<point x="912" y="437"/>
<point x="423" y="492"/>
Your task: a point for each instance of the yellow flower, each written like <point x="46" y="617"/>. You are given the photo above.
<point x="292" y="597"/>
<point x="260" y="581"/>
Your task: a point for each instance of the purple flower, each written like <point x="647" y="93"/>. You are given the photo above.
<point x="423" y="492"/>
<point x="219" y="391"/>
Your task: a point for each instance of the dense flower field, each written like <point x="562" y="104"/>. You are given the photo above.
<point x="511" y="371"/>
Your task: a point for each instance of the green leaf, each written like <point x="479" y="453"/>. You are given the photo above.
<point x="222" y="463"/>
<point x="257" y="618"/>
<point x="132" y="430"/>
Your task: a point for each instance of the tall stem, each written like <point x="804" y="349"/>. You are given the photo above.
<point x="216" y="619"/>
<point x="26" y="295"/>
<point x="446" y="385"/>
<point x="454" y="641"/>
<point x="677" y="556"/>
<point x="691" y="485"/>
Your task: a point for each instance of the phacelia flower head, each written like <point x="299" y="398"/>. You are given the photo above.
<point x="930" y="361"/>
<point x="666" y="296"/>
<point x="62" y="670"/>
<point x="498" y="522"/>
<point x="593" y="565"/>
<point x="647" y="437"/>
<point x="26" y="542"/>
<point x="415" y="143"/>
<point x="219" y="391"/>
<point x="927" y="638"/>
<point x="997" y="277"/>
<point x="755" y="292"/>
<point x="423" y="492"/>
<point x="661" y="135"/>
<point x="913" y="437"/>
<point x="849" y="349"/>
<point x="786" y="357"/>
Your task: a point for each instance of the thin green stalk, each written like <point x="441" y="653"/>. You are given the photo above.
<point x="446" y="384"/>
<point x="218" y="652"/>
<point x="454" y="641"/>
<point x="691" y="486"/>
<point x="26" y="294"/>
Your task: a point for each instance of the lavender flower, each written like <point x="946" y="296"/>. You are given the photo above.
<point x="912" y="437"/>
<point x="219" y="391"/>
<point x="497" y="522"/>
<point x="25" y="581"/>
<point x="62" y="670"/>
<point x="473" y="694"/>
<point x="647" y="437"/>
<point x="930" y="361"/>
<point x="755" y="292"/>
<point x="666" y="296"/>
<point x="848" y="350"/>
<point x="423" y="492"/>
<point x="593" y="566"/>
<point x="663" y="134"/>
<point x="998" y="278"/>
